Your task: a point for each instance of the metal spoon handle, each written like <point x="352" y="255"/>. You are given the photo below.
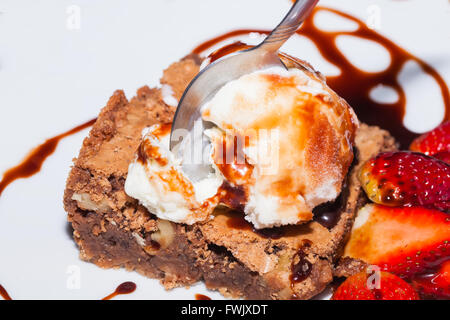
<point x="289" y="25"/>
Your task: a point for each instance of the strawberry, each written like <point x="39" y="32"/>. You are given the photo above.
<point x="435" y="285"/>
<point x="433" y="142"/>
<point x="361" y="287"/>
<point x="404" y="241"/>
<point x="443" y="156"/>
<point x="407" y="178"/>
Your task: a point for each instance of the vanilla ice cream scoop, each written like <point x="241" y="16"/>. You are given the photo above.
<point x="281" y="144"/>
<point x="295" y="138"/>
<point x="156" y="179"/>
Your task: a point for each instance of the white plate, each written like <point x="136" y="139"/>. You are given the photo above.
<point x="56" y="73"/>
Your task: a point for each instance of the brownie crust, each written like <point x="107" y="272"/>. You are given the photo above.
<point x="112" y="230"/>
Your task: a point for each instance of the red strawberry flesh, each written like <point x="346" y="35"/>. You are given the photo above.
<point x="435" y="141"/>
<point x="390" y="287"/>
<point x="434" y="284"/>
<point x="404" y="241"/>
<point x="443" y="156"/>
<point x="407" y="178"/>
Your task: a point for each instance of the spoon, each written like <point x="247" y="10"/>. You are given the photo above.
<point x="187" y="140"/>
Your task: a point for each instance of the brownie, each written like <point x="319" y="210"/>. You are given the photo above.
<point x="112" y="230"/>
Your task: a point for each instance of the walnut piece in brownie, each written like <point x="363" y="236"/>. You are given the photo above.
<point x="112" y="230"/>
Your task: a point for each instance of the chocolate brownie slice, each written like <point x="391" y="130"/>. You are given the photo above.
<point x="113" y="230"/>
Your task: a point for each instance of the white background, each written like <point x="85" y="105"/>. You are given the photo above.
<point x="54" y="75"/>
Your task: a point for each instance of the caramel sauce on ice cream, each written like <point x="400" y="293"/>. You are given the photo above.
<point x="281" y="145"/>
<point x="304" y="165"/>
<point x="156" y="179"/>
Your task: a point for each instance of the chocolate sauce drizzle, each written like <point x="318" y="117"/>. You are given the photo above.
<point x="4" y="294"/>
<point x="124" y="288"/>
<point x="33" y="162"/>
<point x="301" y="268"/>
<point x="237" y="221"/>
<point x="199" y="296"/>
<point x="353" y="84"/>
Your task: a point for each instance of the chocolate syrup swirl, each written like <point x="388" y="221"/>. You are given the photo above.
<point x="353" y="84"/>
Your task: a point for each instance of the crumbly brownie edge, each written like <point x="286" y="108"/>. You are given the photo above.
<point x="187" y="260"/>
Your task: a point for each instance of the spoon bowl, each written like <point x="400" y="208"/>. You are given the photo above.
<point x="189" y="144"/>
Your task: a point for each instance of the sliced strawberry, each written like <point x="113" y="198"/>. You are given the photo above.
<point x="404" y="241"/>
<point x="434" y="284"/>
<point x="433" y="142"/>
<point x="362" y="286"/>
<point x="443" y="156"/>
<point x="407" y="178"/>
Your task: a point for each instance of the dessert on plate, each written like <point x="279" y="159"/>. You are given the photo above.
<point x="271" y="219"/>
